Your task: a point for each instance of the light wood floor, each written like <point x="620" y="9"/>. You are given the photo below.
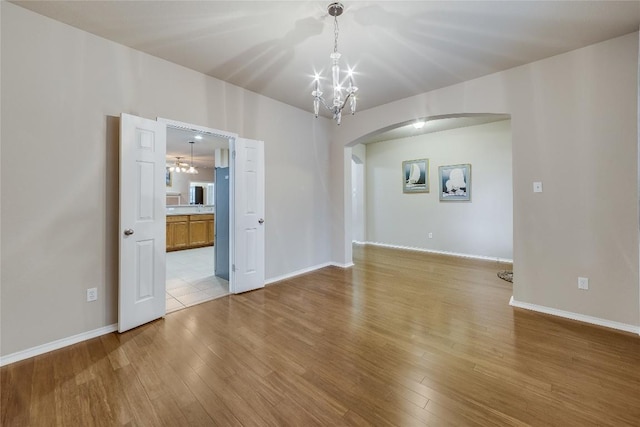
<point x="400" y="339"/>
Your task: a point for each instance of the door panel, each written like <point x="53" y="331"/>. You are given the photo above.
<point x="144" y="278"/>
<point x="248" y="211"/>
<point x="142" y="222"/>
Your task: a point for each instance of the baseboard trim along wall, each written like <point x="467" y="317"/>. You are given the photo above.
<point x="305" y="270"/>
<point x="64" y="342"/>
<point x="55" y="345"/>
<point x="296" y="273"/>
<point x="347" y="265"/>
<point x="433" y="251"/>
<point x="575" y="316"/>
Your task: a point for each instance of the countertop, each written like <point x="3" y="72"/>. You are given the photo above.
<point x="189" y="213"/>
<point x="190" y="210"/>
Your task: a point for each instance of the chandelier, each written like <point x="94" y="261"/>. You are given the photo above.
<point x="178" y="166"/>
<point x="335" y="10"/>
<point x="181" y="167"/>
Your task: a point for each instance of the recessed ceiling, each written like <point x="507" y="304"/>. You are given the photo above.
<point x="398" y="48"/>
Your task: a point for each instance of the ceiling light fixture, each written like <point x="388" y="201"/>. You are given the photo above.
<point x="191" y="168"/>
<point x="181" y="167"/>
<point x="335" y="10"/>
<point x="178" y="166"/>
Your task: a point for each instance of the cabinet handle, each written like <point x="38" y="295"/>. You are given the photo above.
<point x="261" y="221"/>
<point x="128" y="232"/>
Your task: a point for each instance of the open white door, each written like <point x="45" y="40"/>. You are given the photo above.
<point x="247" y="270"/>
<point x="142" y="222"/>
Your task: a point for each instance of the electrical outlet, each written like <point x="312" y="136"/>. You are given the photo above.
<point x="537" y="187"/>
<point x="92" y="294"/>
<point x="583" y="283"/>
<point x="431" y="235"/>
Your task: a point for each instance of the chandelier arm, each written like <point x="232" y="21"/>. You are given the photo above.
<point x="325" y="104"/>
<point x="345" y="101"/>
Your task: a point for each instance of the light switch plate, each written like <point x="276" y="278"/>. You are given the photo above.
<point x="537" y="187"/>
<point x="583" y="283"/>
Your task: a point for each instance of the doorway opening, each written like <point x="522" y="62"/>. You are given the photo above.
<point x="143" y="213"/>
<point x="196" y="216"/>
<point x="480" y="229"/>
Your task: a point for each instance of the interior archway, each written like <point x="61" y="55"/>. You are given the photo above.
<point x="406" y="129"/>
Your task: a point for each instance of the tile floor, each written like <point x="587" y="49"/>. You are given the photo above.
<point x="190" y="278"/>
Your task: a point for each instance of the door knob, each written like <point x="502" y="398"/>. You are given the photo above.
<point x="128" y="232"/>
<point x="261" y="221"/>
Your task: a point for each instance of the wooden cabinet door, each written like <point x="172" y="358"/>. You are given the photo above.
<point x="198" y="233"/>
<point x="210" y="232"/>
<point x="177" y="232"/>
<point x="180" y="234"/>
<point x="169" y="236"/>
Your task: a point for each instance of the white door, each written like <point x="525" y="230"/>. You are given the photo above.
<point x="247" y="213"/>
<point x="142" y="222"/>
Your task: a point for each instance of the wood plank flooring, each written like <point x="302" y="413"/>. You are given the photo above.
<point x="401" y="339"/>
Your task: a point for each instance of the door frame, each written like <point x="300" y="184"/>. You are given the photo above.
<point x="231" y="137"/>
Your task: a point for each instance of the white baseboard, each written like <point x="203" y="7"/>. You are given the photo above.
<point x="347" y="265"/>
<point x="433" y="251"/>
<point x="575" y="316"/>
<point x="306" y="270"/>
<point x="55" y="345"/>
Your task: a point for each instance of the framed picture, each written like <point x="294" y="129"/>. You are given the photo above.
<point x="455" y="183"/>
<point x="168" y="178"/>
<point x="415" y="176"/>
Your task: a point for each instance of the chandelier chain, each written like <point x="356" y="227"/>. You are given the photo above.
<point x="335" y="33"/>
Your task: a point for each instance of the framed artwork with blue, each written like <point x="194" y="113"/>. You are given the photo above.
<point x="415" y="176"/>
<point x="455" y="183"/>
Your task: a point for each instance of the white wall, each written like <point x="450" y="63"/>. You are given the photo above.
<point x="62" y="93"/>
<point x="358" y="207"/>
<point x="482" y="227"/>
<point x="575" y="128"/>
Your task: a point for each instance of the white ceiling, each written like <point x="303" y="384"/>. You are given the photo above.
<point x="204" y="147"/>
<point x="398" y="48"/>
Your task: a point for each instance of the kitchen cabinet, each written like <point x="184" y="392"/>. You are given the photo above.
<point x="210" y="231"/>
<point x="189" y="231"/>
<point x="198" y="229"/>
<point x="177" y="232"/>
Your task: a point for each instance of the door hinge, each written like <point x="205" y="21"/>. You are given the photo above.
<point x="233" y="267"/>
<point x="233" y="154"/>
